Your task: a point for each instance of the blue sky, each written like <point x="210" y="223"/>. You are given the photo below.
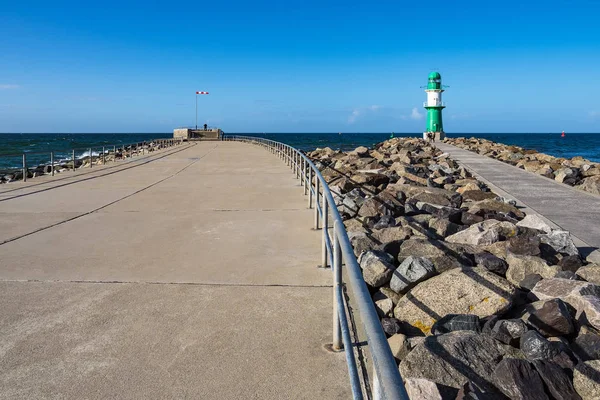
<point x="298" y="66"/>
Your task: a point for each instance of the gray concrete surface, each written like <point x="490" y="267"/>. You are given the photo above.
<point x="567" y="207"/>
<point x="190" y="275"/>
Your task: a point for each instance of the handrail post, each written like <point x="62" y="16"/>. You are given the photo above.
<point x="337" y="285"/>
<point x="73" y="158"/>
<point x="115" y="153"/>
<point x="310" y="193"/>
<point x="305" y="178"/>
<point x="103" y="157"/>
<point x="317" y="184"/>
<point x="91" y="160"/>
<point x="24" y="167"/>
<point x="324" y="207"/>
<point x="52" y="163"/>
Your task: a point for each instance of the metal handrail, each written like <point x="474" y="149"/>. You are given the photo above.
<point x="387" y="383"/>
<point x="126" y="150"/>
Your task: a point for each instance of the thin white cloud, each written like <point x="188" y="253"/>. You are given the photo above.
<point x="415" y="114"/>
<point x="355" y="114"/>
<point x="360" y="111"/>
<point x="6" y="86"/>
<point x="594" y="114"/>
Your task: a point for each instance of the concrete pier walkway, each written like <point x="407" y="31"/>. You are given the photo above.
<point x="190" y="273"/>
<point x="567" y="207"/>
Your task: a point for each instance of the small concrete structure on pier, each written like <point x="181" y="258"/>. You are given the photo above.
<point x="202" y="134"/>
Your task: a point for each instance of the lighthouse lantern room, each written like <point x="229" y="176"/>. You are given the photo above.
<point x="434" y="106"/>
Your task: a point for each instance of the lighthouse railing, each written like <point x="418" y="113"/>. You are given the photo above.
<point x="440" y="104"/>
<point x="337" y="251"/>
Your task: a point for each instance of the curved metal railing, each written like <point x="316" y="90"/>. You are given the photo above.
<point x="99" y="152"/>
<point x="337" y="251"/>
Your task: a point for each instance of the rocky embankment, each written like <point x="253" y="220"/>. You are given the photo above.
<point x="478" y="300"/>
<point x="577" y="171"/>
<point x="12" y="175"/>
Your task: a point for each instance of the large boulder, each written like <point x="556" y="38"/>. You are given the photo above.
<point x="550" y="317"/>
<point x="587" y="345"/>
<point x="386" y="235"/>
<point x="491" y="205"/>
<point x="586" y="379"/>
<point x="591" y="184"/>
<point x="520" y="267"/>
<point x="519" y="380"/>
<point x="556" y="380"/>
<point x="561" y="242"/>
<point x="491" y="262"/>
<point x="454" y="359"/>
<point x="418" y="388"/>
<point x="484" y="233"/>
<point x="584" y="297"/>
<point x="377" y="267"/>
<point x="459" y="291"/>
<point x="443" y="255"/>
<point x="410" y="272"/>
<point x="534" y="221"/>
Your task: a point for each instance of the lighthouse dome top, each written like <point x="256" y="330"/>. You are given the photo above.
<point x="434" y="81"/>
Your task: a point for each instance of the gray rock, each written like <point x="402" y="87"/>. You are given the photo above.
<point x="470" y="391"/>
<point x="564" y="175"/>
<point x="570" y="263"/>
<point x="561" y="242"/>
<point x="535" y="347"/>
<point x="534" y="221"/>
<point x="590" y="273"/>
<point x="583" y="296"/>
<point x="373" y="207"/>
<point x="567" y="275"/>
<point x="377" y="267"/>
<point x="587" y="345"/>
<point x="521" y="266"/>
<point x="386" y="235"/>
<point x="551" y="319"/>
<point x="530" y="281"/>
<point x="456" y="322"/>
<point x="360" y="151"/>
<point x="591" y="184"/>
<point x="443" y="255"/>
<point x="361" y="242"/>
<point x="586" y="379"/>
<point x="524" y="245"/>
<point x="386" y="221"/>
<point x="399" y="345"/>
<point x="509" y="331"/>
<point x="444" y="227"/>
<point x="494" y="206"/>
<point x="557" y="381"/>
<point x="391" y="326"/>
<point x="418" y="388"/>
<point x="491" y="263"/>
<point x="459" y="291"/>
<point x="519" y="380"/>
<point x="455" y="358"/>
<point x="410" y="272"/>
<point x="484" y="233"/>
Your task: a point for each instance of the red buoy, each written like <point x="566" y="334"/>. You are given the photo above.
<point x="562" y="134"/>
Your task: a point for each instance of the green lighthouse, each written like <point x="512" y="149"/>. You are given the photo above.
<point x="434" y="106"/>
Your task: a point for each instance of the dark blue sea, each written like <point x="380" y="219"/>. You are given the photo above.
<point x="39" y="145"/>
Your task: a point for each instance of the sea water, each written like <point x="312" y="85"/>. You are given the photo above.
<point x="39" y="145"/>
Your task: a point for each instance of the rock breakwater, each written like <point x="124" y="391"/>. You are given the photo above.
<point x="577" y="171"/>
<point x="109" y="155"/>
<point x="478" y="299"/>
